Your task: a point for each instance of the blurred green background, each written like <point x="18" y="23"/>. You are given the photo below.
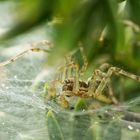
<point x="108" y="30"/>
<point x="109" y="27"/>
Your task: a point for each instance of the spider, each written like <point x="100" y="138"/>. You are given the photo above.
<point x="97" y="86"/>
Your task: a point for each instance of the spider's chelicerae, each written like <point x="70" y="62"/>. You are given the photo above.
<point x="97" y="86"/>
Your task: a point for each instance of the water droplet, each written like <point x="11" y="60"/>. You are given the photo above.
<point x="130" y="127"/>
<point x="26" y="87"/>
<point x="2" y="114"/>
<point x="3" y="85"/>
<point x="106" y="111"/>
<point x="15" y="76"/>
<point x="95" y="122"/>
<point x="83" y="110"/>
<point x="7" y="87"/>
<point x="113" y="117"/>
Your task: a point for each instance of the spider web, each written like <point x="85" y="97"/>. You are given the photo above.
<point x="22" y="109"/>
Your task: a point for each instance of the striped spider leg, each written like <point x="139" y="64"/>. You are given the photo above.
<point x="94" y="81"/>
<point x="32" y="49"/>
<point x="104" y="81"/>
<point x="69" y="75"/>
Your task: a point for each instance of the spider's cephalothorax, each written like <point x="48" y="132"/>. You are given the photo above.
<point x="84" y="90"/>
<point x="68" y="88"/>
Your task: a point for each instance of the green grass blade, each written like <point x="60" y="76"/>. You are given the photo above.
<point x="54" y="129"/>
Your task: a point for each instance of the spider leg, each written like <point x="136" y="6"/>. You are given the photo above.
<point x="85" y="61"/>
<point x="109" y="73"/>
<point x="65" y="70"/>
<point x="61" y="74"/>
<point x="122" y="72"/>
<point x="80" y="49"/>
<point x="75" y="72"/>
<point x="76" y="78"/>
<point x="104" y="99"/>
<point x="110" y="92"/>
<point x="34" y="49"/>
<point x="69" y="71"/>
<point x="104" y="67"/>
<point x="97" y="76"/>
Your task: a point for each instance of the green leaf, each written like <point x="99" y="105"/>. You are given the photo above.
<point x="133" y="9"/>
<point x="130" y="134"/>
<point x="82" y="123"/>
<point x="86" y="26"/>
<point x="112" y="131"/>
<point x="28" y="15"/>
<point x="91" y="133"/>
<point x="54" y="129"/>
<point x="80" y="105"/>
